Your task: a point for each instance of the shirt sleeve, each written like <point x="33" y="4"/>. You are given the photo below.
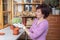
<point x="38" y="31"/>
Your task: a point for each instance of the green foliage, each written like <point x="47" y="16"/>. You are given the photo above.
<point x="58" y="8"/>
<point x="16" y="20"/>
<point x="53" y="3"/>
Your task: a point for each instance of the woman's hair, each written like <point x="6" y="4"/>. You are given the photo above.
<point x="44" y="9"/>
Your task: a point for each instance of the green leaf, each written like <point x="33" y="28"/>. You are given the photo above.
<point x="16" y="20"/>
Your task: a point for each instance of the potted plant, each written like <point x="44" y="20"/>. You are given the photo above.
<point x="57" y="11"/>
<point x="52" y="4"/>
<point x="15" y="21"/>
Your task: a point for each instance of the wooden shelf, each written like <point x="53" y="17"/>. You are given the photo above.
<point x="27" y="3"/>
<point x="54" y="15"/>
<point x="6" y="25"/>
<point x="28" y="16"/>
<point x="6" y="11"/>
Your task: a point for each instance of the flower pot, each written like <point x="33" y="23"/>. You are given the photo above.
<point x="16" y="31"/>
<point x="53" y="11"/>
<point x="57" y="12"/>
<point x="12" y="27"/>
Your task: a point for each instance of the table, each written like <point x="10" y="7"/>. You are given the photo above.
<point x="9" y="34"/>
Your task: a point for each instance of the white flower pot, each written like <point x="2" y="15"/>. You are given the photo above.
<point x="57" y="12"/>
<point x="53" y="11"/>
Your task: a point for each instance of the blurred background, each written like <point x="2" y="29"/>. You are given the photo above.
<point x="25" y="9"/>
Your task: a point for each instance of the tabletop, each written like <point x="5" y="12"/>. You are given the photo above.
<point x="9" y="34"/>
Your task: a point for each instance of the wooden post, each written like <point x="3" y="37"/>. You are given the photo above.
<point x="12" y="9"/>
<point x="1" y="15"/>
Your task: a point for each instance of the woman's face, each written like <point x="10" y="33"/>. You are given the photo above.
<point x="39" y="13"/>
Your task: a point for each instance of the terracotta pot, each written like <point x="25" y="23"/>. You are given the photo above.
<point x="16" y="31"/>
<point x="12" y="27"/>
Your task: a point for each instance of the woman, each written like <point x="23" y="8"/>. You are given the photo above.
<point x="39" y="28"/>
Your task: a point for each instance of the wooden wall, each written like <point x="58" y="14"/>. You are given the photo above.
<point x="54" y="27"/>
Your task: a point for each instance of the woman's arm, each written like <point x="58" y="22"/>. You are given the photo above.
<point x="38" y="31"/>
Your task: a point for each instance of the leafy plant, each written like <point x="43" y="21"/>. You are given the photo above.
<point x="58" y="8"/>
<point x="52" y="3"/>
<point x="16" y="20"/>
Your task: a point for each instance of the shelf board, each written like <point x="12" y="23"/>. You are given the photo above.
<point x="6" y="25"/>
<point x="27" y="3"/>
<point x="54" y="15"/>
<point x="28" y="16"/>
<point x="6" y="11"/>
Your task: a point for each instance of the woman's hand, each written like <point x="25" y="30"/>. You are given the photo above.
<point x="24" y="27"/>
<point x="26" y="30"/>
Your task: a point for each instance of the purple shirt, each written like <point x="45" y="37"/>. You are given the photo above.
<point x="38" y="32"/>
